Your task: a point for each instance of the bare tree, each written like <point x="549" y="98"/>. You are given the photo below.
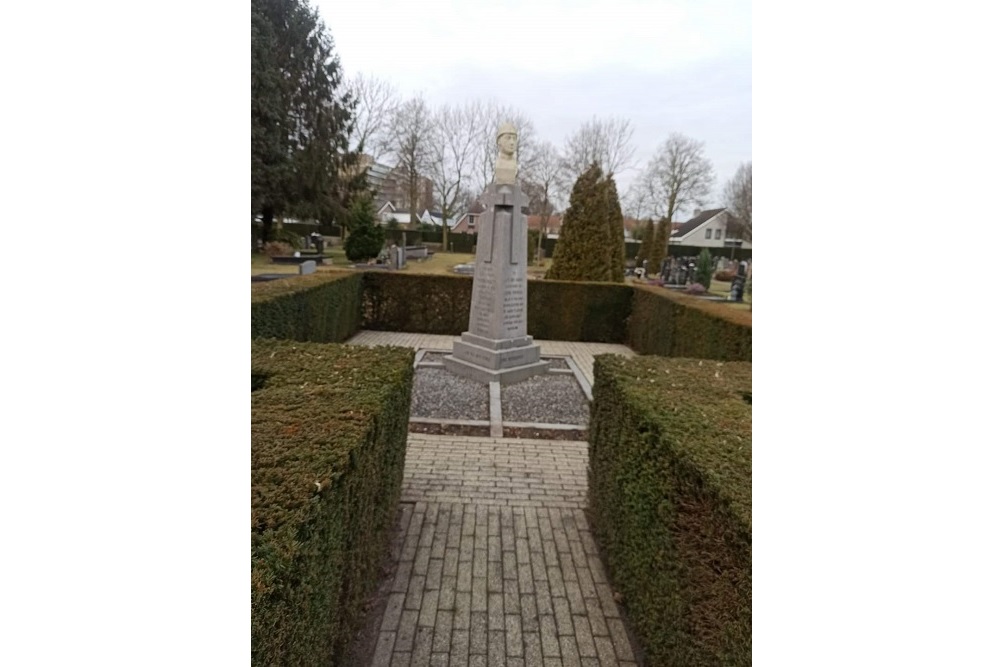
<point x="410" y="144"/>
<point x="680" y="176"/>
<point x="486" y="154"/>
<point x="455" y="137"/>
<point x="738" y="195"/>
<point x="540" y="181"/>
<point x="607" y="142"/>
<point x="642" y="199"/>
<point x="377" y="101"/>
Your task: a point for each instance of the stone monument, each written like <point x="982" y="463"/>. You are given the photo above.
<point x="496" y="348"/>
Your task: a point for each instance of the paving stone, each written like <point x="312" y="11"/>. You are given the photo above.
<point x="393" y="610"/>
<point x="596" y="616"/>
<point x="446" y="600"/>
<point x="515" y="645"/>
<point x="605" y="652"/>
<point x="584" y="637"/>
<point x="383" y="650"/>
<point x="479" y="594"/>
<point x="529" y="613"/>
<point x="495" y="611"/>
<point x="477" y="633"/>
<point x="422" y="647"/>
<point x="428" y="610"/>
<point x="442" y="632"/>
<point x="407" y="630"/>
<point x="463" y="607"/>
<point x="434" y="574"/>
<point x="619" y="637"/>
<point x="570" y="654"/>
<point x="401" y="659"/>
<point x="550" y="640"/>
<point x="439" y="660"/>
<point x="497" y="649"/>
<point x="564" y="624"/>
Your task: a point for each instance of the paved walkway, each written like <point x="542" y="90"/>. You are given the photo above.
<point x="494" y="563"/>
<point x="582" y="353"/>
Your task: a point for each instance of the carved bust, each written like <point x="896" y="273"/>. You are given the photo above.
<point x="506" y="168"/>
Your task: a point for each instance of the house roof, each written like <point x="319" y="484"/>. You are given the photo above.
<point x="555" y="222"/>
<point x="697" y="221"/>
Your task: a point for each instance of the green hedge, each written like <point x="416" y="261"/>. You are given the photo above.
<point x="332" y="306"/>
<point x="576" y="311"/>
<point x="328" y="438"/>
<point x="670" y="494"/>
<point x="674" y="325"/>
<point x="418" y="303"/>
<point x="589" y="312"/>
<point x="321" y="307"/>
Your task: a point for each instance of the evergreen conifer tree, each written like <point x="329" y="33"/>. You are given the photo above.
<point x="299" y="118"/>
<point x="658" y="246"/>
<point x="649" y="230"/>
<point x="616" y="231"/>
<point x="366" y="238"/>
<point x="582" y="251"/>
<point x="703" y="269"/>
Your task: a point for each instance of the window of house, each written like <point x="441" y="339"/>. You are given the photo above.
<point x="708" y="233"/>
<point x="718" y="234"/>
<point x="472" y="221"/>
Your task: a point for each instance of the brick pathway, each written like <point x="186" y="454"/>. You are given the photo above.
<point x="494" y="561"/>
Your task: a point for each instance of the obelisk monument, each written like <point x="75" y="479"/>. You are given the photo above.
<point x="497" y="347"/>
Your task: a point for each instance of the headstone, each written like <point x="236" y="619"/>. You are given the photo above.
<point x="307" y="267"/>
<point x="496" y="348"/>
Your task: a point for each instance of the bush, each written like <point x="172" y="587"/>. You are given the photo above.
<point x="703" y="270"/>
<point x="366" y="238"/>
<point x="725" y="276"/>
<point x="674" y="325"/>
<point x="670" y="491"/>
<point x="321" y="307"/>
<point x="593" y="312"/>
<point x="328" y="439"/>
<point x="277" y="249"/>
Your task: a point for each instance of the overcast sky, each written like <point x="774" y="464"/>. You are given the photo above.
<point x="667" y="65"/>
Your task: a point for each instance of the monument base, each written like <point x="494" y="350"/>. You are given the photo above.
<point x="486" y="360"/>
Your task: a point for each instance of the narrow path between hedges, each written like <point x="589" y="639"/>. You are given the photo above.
<point x="493" y="560"/>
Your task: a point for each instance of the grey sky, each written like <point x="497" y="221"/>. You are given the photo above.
<point x="666" y="65"/>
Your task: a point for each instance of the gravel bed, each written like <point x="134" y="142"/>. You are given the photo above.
<point x="548" y="399"/>
<point x="437" y="393"/>
<point x="434" y="357"/>
<point x="556" y="363"/>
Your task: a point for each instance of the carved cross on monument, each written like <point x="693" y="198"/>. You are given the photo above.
<point x="497" y="347"/>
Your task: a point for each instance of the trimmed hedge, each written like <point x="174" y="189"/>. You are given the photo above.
<point x="418" y="303"/>
<point x="578" y="311"/>
<point x="587" y="312"/>
<point x="328" y="438"/>
<point x="670" y="494"/>
<point x="673" y="325"/>
<point x="321" y="307"/>
<point x="332" y="306"/>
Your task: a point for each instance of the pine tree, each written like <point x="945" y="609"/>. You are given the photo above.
<point x="616" y="232"/>
<point x="582" y="251"/>
<point x="648" y="232"/>
<point x="703" y="269"/>
<point x="367" y="238"/>
<point x="299" y="122"/>
<point x="658" y="245"/>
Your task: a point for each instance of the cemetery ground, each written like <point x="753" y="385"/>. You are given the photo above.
<point x="443" y="263"/>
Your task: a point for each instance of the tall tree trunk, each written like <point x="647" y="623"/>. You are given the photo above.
<point x="444" y="229"/>
<point x="268" y="215"/>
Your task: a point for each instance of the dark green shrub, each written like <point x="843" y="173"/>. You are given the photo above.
<point x="673" y="325"/>
<point x="328" y="439"/>
<point x="578" y="311"/>
<point x="670" y="494"/>
<point x="703" y="269"/>
<point x="321" y="307"/>
<point x="419" y="303"/>
<point x="366" y="238"/>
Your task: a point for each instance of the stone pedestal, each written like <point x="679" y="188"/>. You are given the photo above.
<point x="496" y="348"/>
